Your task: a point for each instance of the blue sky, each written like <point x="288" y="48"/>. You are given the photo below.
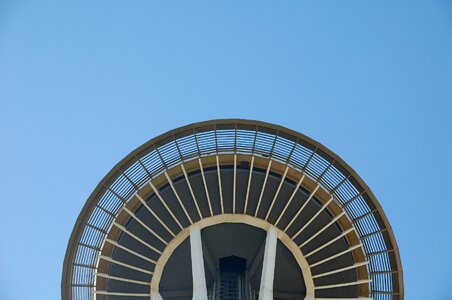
<point x="83" y="83"/>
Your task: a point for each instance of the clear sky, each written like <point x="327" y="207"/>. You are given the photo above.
<point x="83" y="83"/>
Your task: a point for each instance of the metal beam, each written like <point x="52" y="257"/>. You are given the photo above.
<point x="130" y="251"/>
<point x="277" y="193"/>
<point x="177" y="196"/>
<point x="323" y="229"/>
<point x="302" y="207"/>
<point x="335" y="255"/>
<point x="235" y="180"/>
<point x="313" y="218"/>
<point x="290" y="199"/>
<point x="359" y="298"/>
<point x="121" y="294"/>
<point x="156" y="191"/>
<point x="120" y="263"/>
<point x="263" y="187"/>
<point x="137" y="238"/>
<point x="249" y="185"/>
<point x="132" y="214"/>
<point x="330" y="242"/>
<point x="155" y="215"/>
<point x="322" y="287"/>
<point x="191" y="191"/>
<point x="354" y="266"/>
<point x="220" y="187"/>
<point x="205" y="186"/>
<point x="107" y="276"/>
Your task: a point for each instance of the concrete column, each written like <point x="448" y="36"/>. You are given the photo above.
<point x="268" y="267"/>
<point x="197" y="265"/>
<point x="155" y="296"/>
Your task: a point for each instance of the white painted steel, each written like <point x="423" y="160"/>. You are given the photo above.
<point x="155" y="215"/>
<point x="268" y="266"/>
<point x="156" y="191"/>
<point x="197" y="264"/>
<point x="263" y="188"/>
<point x="177" y="197"/>
<point x="302" y="207"/>
<point x="205" y="186"/>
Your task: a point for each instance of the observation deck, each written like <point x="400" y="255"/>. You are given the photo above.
<point x="302" y="223"/>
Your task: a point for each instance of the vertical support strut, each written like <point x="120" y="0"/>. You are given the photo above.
<point x="268" y="267"/>
<point x="155" y="296"/>
<point x="197" y="265"/>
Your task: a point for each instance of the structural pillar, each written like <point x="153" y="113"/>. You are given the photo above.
<point x="155" y="296"/>
<point x="197" y="265"/>
<point x="268" y="267"/>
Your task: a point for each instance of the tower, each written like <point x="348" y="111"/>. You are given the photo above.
<point x="232" y="209"/>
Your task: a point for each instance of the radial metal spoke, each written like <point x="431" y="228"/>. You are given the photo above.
<point x="137" y="238"/>
<point x="120" y="263"/>
<point x="337" y="285"/>
<point x="330" y="242"/>
<point x="191" y="190"/>
<point x="178" y="198"/>
<point x="135" y="217"/>
<point x="313" y="218"/>
<point x="155" y="215"/>
<point x="122" y="294"/>
<point x="322" y="230"/>
<point x="220" y="187"/>
<point x="354" y="266"/>
<point x="106" y="276"/>
<point x="290" y="199"/>
<point x="156" y="191"/>
<point x="235" y="179"/>
<point x="302" y="207"/>
<point x="205" y="186"/>
<point x="249" y="185"/>
<point x="130" y="251"/>
<point x="277" y="193"/>
<point x="336" y="255"/>
<point x="263" y="187"/>
<point x="359" y="298"/>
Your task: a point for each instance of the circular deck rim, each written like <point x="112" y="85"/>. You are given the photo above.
<point x="91" y="202"/>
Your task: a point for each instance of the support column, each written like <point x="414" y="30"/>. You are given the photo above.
<point x="155" y="296"/>
<point x="268" y="267"/>
<point x="197" y="265"/>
